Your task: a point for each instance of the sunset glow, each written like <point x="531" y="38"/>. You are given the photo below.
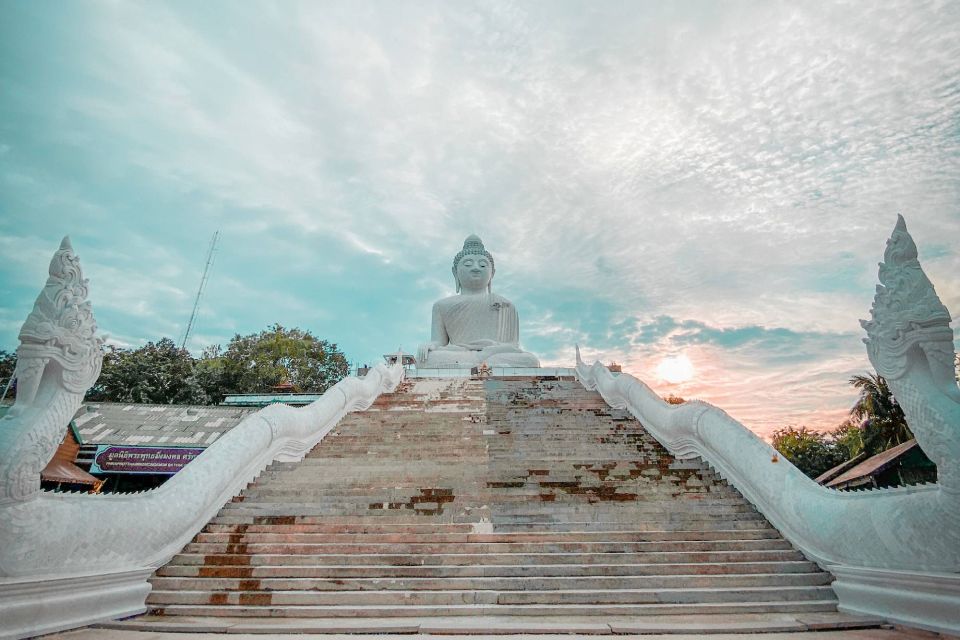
<point x="675" y="370"/>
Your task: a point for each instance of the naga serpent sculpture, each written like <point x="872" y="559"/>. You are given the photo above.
<point x="58" y="359"/>
<point x="916" y="528"/>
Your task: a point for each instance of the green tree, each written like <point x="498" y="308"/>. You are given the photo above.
<point x="156" y="373"/>
<point x="8" y="364"/>
<point x="210" y="373"/>
<point x="848" y="438"/>
<point x="259" y="361"/>
<point x="810" y="451"/>
<point x="882" y="421"/>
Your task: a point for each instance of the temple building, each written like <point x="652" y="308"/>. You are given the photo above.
<point x="132" y="447"/>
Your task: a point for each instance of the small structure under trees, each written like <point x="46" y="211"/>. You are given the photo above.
<point x="903" y="464"/>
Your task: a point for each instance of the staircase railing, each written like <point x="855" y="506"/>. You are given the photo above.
<point x="68" y="560"/>
<point x="895" y="552"/>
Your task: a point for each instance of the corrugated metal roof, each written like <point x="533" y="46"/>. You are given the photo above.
<point x="146" y="424"/>
<point x="874" y="464"/>
<point x="263" y="399"/>
<point x="58" y="470"/>
<point x="833" y="472"/>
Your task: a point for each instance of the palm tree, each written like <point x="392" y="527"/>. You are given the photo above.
<point x="883" y="423"/>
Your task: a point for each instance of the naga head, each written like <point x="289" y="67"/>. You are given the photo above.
<point x="61" y="328"/>
<point x="907" y="316"/>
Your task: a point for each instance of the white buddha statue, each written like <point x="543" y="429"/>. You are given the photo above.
<point x="475" y="326"/>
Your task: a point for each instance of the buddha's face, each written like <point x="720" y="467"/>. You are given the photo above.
<point x="474" y="273"/>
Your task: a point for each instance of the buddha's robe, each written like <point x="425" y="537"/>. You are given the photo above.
<point x="472" y="329"/>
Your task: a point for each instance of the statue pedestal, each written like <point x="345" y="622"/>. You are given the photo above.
<point x="495" y="372"/>
<point x="464" y="359"/>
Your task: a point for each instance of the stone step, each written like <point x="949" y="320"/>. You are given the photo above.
<point x="492" y="597"/>
<point x="468" y="559"/>
<point x="521" y="510"/>
<point x="424" y="523"/>
<point x="608" y="512"/>
<point x="693" y="625"/>
<point x="583" y="498"/>
<point x="266" y="534"/>
<point x="509" y="488"/>
<point x="193" y="566"/>
<point x="421" y="611"/>
<point x="311" y="548"/>
<point x="518" y="583"/>
<point x="567" y="459"/>
<point x="361" y="527"/>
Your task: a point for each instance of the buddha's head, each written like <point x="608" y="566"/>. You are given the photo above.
<point x="473" y="267"/>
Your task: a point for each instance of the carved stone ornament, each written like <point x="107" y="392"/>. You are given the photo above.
<point x="895" y="552"/>
<point x="58" y="359"/>
<point x="910" y="343"/>
<point x="907" y="313"/>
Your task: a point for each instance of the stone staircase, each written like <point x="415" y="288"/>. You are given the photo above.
<point x="498" y="497"/>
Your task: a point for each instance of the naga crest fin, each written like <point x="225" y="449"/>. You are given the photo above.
<point x="906" y="310"/>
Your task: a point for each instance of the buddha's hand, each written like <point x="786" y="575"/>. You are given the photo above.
<point x="481" y="344"/>
<point x="424" y="350"/>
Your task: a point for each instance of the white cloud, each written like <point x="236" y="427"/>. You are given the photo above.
<point x="736" y="165"/>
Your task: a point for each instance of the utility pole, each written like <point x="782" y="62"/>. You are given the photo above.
<point x="203" y="284"/>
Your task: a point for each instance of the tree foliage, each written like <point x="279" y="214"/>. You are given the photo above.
<point x="876" y="423"/>
<point x="813" y="452"/>
<point x="848" y="438"/>
<point x="8" y="364"/>
<point x="278" y="355"/>
<point x="161" y="373"/>
<point x="156" y="373"/>
<point x="883" y="424"/>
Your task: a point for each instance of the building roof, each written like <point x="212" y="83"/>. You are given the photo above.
<point x="263" y="399"/>
<point x="873" y="465"/>
<point x="833" y="472"/>
<point x="58" y="470"/>
<point x="61" y="467"/>
<point x="155" y="425"/>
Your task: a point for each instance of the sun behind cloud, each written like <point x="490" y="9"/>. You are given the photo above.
<point x="676" y="369"/>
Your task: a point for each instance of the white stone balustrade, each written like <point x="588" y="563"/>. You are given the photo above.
<point x="68" y="560"/>
<point x="895" y="552"/>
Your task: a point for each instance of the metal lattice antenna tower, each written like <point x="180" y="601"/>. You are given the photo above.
<point x="203" y="283"/>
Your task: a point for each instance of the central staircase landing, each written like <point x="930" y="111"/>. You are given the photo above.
<point x="490" y="505"/>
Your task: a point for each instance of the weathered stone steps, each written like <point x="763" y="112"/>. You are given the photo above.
<point x="196" y="566"/>
<point x="479" y="595"/>
<point x="265" y="534"/>
<point x="525" y="498"/>
<point x="499" y="610"/>
<point x="505" y="583"/>
<point x="488" y="547"/>
<point x="412" y="559"/>
<point x="394" y="518"/>
<point x="504" y="506"/>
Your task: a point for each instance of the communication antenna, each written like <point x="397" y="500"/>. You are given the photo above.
<point x="203" y="283"/>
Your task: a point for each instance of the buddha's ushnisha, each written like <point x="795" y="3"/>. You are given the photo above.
<point x="476" y="325"/>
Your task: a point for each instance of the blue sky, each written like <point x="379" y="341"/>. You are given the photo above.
<point x="699" y="179"/>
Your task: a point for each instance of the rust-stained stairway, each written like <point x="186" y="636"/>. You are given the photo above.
<point x="457" y="497"/>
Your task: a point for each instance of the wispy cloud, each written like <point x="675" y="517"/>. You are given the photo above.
<point x="712" y="179"/>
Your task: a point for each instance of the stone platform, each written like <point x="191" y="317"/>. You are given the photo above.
<point x="754" y="626"/>
<point x="522" y="501"/>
